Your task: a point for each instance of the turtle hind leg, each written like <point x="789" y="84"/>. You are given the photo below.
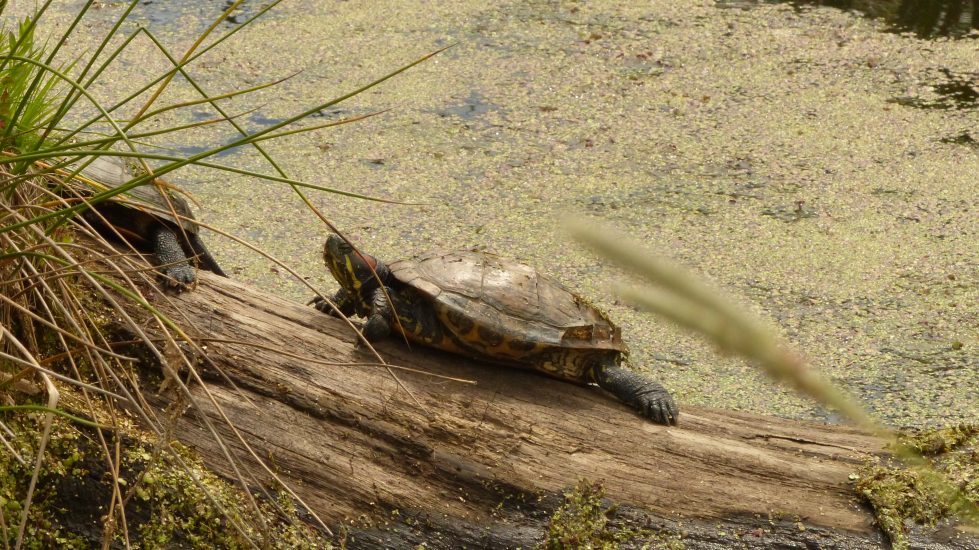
<point x="170" y="255"/>
<point x="648" y="398"/>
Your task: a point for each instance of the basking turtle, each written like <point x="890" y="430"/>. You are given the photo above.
<point x="145" y="217"/>
<point x="494" y="309"/>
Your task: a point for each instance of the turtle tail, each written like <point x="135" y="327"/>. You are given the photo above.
<point x="204" y="256"/>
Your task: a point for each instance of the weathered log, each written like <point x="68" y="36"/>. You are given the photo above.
<point x="482" y="465"/>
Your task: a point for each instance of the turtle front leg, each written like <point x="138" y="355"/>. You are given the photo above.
<point x="174" y="266"/>
<point x="342" y="300"/>
<point x="378" y="325"/>
<point x="648" y="398"/>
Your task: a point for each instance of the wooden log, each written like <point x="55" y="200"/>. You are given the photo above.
<point x="482" y="465"/>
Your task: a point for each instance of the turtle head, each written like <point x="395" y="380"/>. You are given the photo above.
<point x="350" y="268"/>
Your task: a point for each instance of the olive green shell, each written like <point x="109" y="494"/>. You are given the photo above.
<point x="504" y="311"/>
<point x="111" y="172"/>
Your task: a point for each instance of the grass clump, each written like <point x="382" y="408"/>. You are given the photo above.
<point x="59" y="358"/>
<point x="585" y="521"/>
<point x="53" y="344"/>
<point x="26" y="89"/>
<point x="899" y="495"/>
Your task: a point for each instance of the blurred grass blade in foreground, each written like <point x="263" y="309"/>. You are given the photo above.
<point x="682" y="298"/>
<point x="692" y="304"/>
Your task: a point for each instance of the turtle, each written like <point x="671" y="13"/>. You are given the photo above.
<point x="493" y="309"/>
<point x="144" y="216"/>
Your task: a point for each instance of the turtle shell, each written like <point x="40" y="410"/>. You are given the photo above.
<point x="504" y="311"/>
<point x="112" y="172"/>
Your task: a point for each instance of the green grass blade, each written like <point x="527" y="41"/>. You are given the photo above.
<point x="71" y="98"/>
<point x="183" y="104"/>
<point x="190" y="52"/>
<point x="58" y="412"/>
<point x="161" y="77"/>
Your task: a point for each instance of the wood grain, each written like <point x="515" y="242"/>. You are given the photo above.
<point x="482" y="464"/>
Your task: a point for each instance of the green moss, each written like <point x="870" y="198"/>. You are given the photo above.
<point x="586" y="521"/>
<point x="899" y="494"/>
<point x="171" y="506"/>
<point x="178" y="505"/>
<point x="934" y="442"/>
<point x="196" y="508"/>
<point x="62" y="460"/>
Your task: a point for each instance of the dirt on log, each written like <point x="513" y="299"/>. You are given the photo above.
<point x="483" y="465"/>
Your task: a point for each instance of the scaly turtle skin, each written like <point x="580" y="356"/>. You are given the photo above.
<point x="144" y="216"/>
<point x="494" y="309"/>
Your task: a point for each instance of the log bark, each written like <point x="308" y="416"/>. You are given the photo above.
<point x="483" y="465"/>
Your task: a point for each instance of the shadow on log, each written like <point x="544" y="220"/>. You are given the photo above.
<point x="484" y="465"/>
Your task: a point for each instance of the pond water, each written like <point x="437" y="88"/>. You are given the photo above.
<point x="926" y="18"/>
<point x="806" y="159"/>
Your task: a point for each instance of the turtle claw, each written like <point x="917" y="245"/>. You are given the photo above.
<point x="662" y="411"/>
<point x="322" y="305"/>
<point x="657" y="406"/>
<point x="654" y="404"/>
<point x="180" y="277"/>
